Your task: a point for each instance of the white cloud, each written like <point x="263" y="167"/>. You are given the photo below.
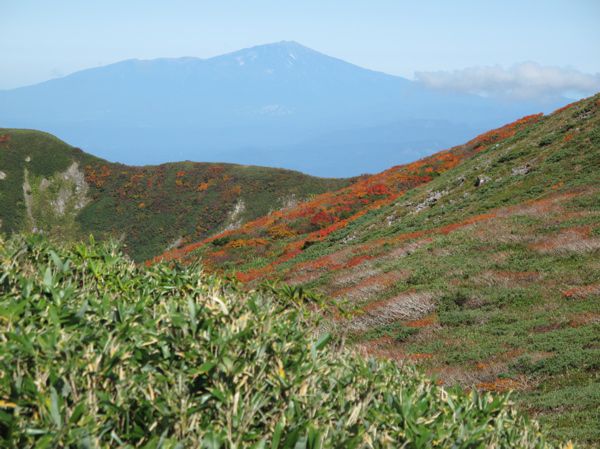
<point x="524" y="80"/>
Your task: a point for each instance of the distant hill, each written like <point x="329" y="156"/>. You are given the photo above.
<point x="280" y="104"/>
<point x="50" y="187"/>
<point x="480" y="263"/>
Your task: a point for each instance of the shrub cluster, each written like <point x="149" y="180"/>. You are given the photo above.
<point x="98" y="352"/>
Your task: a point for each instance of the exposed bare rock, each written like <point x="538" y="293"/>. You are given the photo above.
<point x="174" y="244"/>
<point x="520" y="171"/>
<point x="28" y="200"/>
<point x="234" y="220"/>
<point x="72" y="192"/>
<point x="481" y="179"/>
<point x="431" y="199"/>
<point x="52" y="203"/>
<point x="289" y="201"/>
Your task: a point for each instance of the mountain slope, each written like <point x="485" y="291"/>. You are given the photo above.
<point x="51" y="187"/>
<point x="99" y="352"/>
<point x="480" y="263"/>
<point x="261" y="105"/>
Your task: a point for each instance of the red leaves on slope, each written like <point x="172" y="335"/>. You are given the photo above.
<point x="322" y="218"/>
<point x="333" y="211"/>
<point x="97" y="177"/>
<point x="505" y="132"/>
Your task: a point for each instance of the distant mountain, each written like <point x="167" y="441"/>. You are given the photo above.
<point x="279" y="104"/>
<point x="49" y="187"/>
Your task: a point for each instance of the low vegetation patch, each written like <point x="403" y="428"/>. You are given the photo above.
<point x="98" y="352"/>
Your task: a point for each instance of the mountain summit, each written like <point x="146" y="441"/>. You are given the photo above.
<point x="279" y="104"/>
<point x="284" y="54"/>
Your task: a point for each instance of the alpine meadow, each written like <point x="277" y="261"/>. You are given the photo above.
<point x="213" y="236"/>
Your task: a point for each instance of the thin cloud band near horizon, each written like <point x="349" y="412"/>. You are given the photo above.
<point x="522" y="80"/>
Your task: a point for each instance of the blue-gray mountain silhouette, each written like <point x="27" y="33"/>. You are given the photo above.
<point x="280" y="104"/>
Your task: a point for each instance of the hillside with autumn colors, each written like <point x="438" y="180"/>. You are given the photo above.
<point x="285" y="234"/>
<point x="479" y="263"/>
<point x="50" y="187"/>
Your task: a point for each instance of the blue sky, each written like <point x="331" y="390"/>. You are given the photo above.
<point x="48" y="38"/>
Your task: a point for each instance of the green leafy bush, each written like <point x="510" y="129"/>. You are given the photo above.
<point x="98" y="352"/>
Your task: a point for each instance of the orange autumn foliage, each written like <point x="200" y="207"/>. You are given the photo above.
<point x="97" y="177"/>
<point x="500" y="385"/>
<point x="280" y="231"/>
<point x="241" y="243"/>
<point x="288" y="232"/>
<point x="357" y="260"/>
<point x="322" y="218"/>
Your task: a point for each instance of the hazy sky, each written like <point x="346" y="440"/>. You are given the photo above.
<point x="48" y="38"/>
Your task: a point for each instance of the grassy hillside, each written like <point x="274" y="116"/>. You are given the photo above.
<point x="99" y="352"/>
<point x="49" y="186"/>
<point x="479" y="263"/>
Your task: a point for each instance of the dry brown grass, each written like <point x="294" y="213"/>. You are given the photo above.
<point x="576" y="239"/>
<point x="507" y="278"/>
<point x="370" y="286"/>
<point x="406" y="306"/>
<point x="582" y="292"/>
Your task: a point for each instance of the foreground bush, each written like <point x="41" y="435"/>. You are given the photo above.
<point x="98" y="352"/>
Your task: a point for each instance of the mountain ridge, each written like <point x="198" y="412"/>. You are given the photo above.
<point x="50" y="187"/>
<point x="163" y="110"/>
<point x="278" y="47"/>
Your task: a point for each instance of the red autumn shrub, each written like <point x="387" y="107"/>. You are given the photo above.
<point x="378" y="189"/>
<point x="322" y="218"/>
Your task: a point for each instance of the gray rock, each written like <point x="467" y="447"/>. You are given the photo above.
<point x="520" y="171"/>
<point x="431" y="199"/>
<point x="481" y="179"/>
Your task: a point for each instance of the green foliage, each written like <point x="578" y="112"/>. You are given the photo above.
<point x="396" y="331"/>
<point x="99" y="352"/>
<point x="221" y="241"/>
<point x="151" y="207"/>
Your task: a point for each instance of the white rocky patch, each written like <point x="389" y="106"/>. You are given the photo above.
<point x="481" y="179"/>
<point x="234" y="219"/>
<point x="65" y="193"/>
<point x="431" y="199"/>
<point x="75" y="189"/>
<point x="174" y="244"/>
<point x="521" y="171"/>
<point x="27" y="196"/>
<point x="287" y="202"/>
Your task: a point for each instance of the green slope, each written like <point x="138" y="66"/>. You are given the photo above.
<point x="98" y="352"/>
<point x="149" y="207"/>
<point x="488" y="275"/>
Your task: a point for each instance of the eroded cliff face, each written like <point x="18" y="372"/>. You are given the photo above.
<point x="234" y="218"/>
<point x="52" y="204"/>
